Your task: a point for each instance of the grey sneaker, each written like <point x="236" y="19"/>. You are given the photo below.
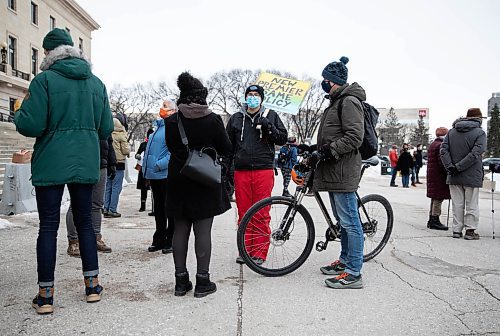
<point x="471" y="235"/>
<point x="345" y="280"/>
<point x="335" y="268"/>
<point x="457" y="234"/>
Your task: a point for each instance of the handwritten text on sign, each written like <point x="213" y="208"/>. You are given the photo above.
<point x="283" y="94"/>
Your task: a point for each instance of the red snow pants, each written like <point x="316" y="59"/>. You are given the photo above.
<point x="250" y="187"/>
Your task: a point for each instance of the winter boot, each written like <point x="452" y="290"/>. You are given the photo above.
<point x="74" y="248"/>
<point x="204" y="286"/>
<point x="143" y="206"/>
<point x="101" y="245"/>
<point x="470" y="234"/>
<point x="93" y="290"/>
<point x="44" y="300"/>
<point x="182" y="284"/>
<point x="435" y="224"/>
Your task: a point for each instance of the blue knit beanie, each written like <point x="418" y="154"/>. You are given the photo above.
<point x="336" y="71"/>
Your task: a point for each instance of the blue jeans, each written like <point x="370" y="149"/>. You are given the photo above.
<point x="48" y="201"/>
<point x="405" y="179"/>
<point x="345" y="210"/>
<point x="113" y="190"/>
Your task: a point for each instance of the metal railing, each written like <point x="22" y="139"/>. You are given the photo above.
<point x="20" y="74"/>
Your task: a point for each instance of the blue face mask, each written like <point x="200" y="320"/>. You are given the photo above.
<point x="253" y="101"/>
<point x="326" y="86"/>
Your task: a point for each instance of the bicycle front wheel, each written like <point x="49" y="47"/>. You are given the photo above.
<point x="377" y="219"/>
<point x="275" y="237"/>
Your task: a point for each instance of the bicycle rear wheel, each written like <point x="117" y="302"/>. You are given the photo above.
<point x="275" y="237"/>
<point x="377" y="220"/>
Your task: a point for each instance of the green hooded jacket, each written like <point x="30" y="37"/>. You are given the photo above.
<point x="67" y="111"/>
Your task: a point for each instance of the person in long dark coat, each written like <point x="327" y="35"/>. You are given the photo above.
<point x="192" y="204"/>
<point x="437" y="189"/>
<point x="142" y="183"/>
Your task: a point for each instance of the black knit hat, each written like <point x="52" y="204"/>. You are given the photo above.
<point x="336" y="71"/>
<point x="192" y="90"/>
<point x="255" y="88"/>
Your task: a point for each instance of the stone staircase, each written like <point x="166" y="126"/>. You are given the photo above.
<point x="10" y="142"/>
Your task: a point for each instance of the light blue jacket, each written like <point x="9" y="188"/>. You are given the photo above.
<point x="157" y="155"/>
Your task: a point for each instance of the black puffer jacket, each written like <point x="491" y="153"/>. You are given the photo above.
<point x="108" y="156"/>
<point x="253" y="149"/>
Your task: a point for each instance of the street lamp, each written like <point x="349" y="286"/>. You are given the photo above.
<point x="3" y="51"/>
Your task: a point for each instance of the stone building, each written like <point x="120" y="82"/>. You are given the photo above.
<point x="23" y="25"/>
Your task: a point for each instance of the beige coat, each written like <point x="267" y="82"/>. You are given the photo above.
<point x="120" y="143"/>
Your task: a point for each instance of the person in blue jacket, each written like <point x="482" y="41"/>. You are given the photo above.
<point x="155" y="169"/>
<point x="287" y="158"/>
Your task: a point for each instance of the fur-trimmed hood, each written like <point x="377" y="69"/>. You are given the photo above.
<point x="68" y="61"/>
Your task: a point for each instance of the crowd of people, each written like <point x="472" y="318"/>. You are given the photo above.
<point x="81" y="145"/>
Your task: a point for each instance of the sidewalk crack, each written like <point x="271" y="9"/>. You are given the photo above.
<point x="239" y="300"/>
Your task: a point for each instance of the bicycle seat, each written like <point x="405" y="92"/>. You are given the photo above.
<point x="373" y="161"/>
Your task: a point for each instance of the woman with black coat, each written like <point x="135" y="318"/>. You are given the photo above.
<point x="405" y="165"/>
<point x="191" y="203"/>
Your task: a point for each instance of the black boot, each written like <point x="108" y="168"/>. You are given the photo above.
<point x="204" y="286"/>
<point x="435" y="224"/>
<point x="143" y="206"/>
<point x="182" y="284"/>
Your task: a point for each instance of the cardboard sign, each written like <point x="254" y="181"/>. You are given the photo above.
<point x="282" y="94"/>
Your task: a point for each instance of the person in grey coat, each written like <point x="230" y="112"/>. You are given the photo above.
<point x="339" y="170"/>
<point x="461" y="154"/>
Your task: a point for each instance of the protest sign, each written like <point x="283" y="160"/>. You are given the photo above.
<point x="282" y="94"/>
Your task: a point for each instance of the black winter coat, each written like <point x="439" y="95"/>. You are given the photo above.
<point x="187" y="198"/>
<point x="436" y="173"/>
<point x="108" y="156"/>
<point x="253" y="149"/>
<point x="405" y="163"/>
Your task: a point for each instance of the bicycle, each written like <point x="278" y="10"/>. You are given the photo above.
<point x="290" y="223"/>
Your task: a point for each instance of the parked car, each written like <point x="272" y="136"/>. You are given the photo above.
<point x="488" y="161"/>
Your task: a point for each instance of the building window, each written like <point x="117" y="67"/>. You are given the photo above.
<point x="13" y="52"/>
<point x="52" y="22"/>
<point x="12" y="4"/>
<point x="34" y="61"/>
<point x="34" y="13"/>
<point x="80" y="44"/>
<point x="12" y="104"/>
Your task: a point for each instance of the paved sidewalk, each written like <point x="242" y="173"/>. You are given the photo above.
<point x="423" y="283"/>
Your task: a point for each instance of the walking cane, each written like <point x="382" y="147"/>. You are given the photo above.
<point x="492" y="204"/>
<point x="448" y="215"/>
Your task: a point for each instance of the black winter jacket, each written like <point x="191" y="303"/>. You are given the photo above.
<point x="108" y="156"/>
<point x="253" y="149"/>
<point x="187" y="198"/>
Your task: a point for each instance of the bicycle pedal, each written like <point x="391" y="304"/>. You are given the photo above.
<point x="321" y="246"/>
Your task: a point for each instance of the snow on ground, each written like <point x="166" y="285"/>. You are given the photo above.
<point x="5" y="224"/>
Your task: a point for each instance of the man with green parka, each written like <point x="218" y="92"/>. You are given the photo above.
<point x="67" y="111"/>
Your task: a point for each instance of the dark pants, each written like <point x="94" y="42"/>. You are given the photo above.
<point x="164" y="226"/>
<point x="417" y="171"/>
<point x="202" y="244"/>
<point x="48" y="201"/>
<point x="394" y="172"/>
<point x="97" y="203"/>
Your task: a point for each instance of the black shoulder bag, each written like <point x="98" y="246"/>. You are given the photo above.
<point x="200" y="166"/>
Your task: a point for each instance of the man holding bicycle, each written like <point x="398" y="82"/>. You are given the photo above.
<point x="338" y="170"/>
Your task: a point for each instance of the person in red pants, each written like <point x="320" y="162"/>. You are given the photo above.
<point x="254" y="131"/>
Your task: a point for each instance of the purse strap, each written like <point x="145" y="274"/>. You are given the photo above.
<point x="182" y="132"/>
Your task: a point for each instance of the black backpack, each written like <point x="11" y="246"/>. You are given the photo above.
<point x="369" y="147"/>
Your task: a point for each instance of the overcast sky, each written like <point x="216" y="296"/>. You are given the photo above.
<point x="443" y="55"/>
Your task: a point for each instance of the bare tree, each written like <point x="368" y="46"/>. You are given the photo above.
<point x="136" y="103"/>
<point x="307" y="120"/>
